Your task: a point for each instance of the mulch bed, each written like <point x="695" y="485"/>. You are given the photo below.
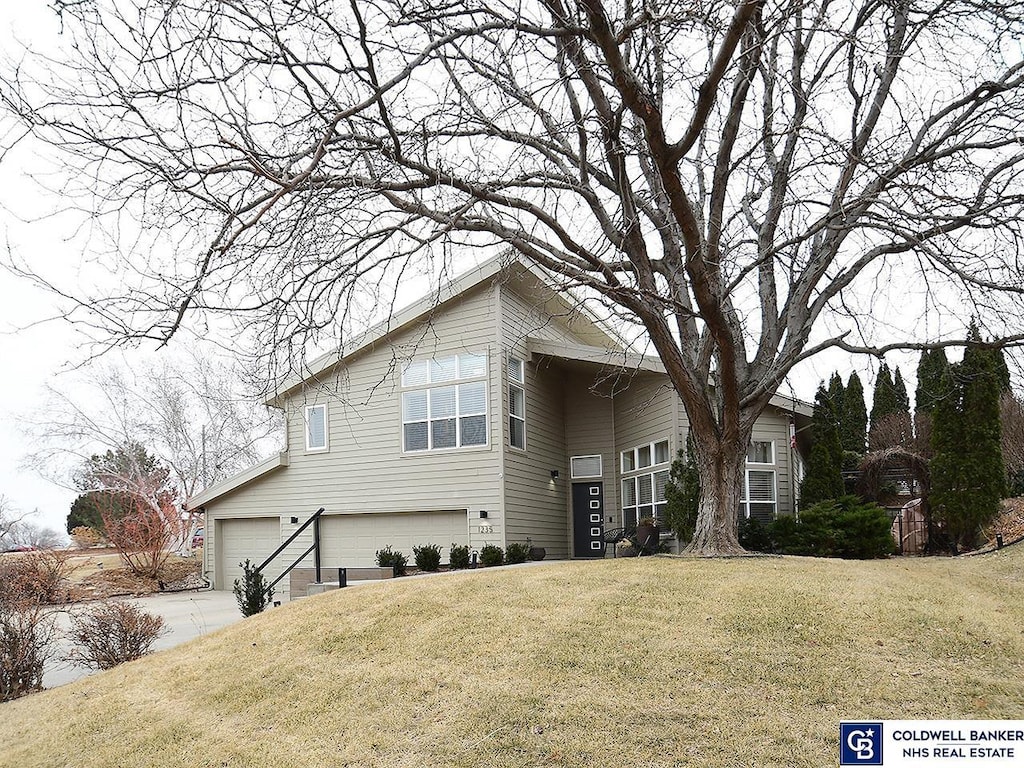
<point x="178" y="575"/>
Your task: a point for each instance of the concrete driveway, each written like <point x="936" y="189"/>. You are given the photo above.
<point x="187" y="615"/>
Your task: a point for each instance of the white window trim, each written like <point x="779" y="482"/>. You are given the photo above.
<point x="572" y="466"/>
<point x="327" y="429"/>
<point x="762" y="463"/>
<point x="427" y="386"/>
<point x="653" y="504"/>
<point x="635" y="451"/>
<point x="746" y="501"/>
<point x="655" y="468"/>
<point x="516" y="384"/>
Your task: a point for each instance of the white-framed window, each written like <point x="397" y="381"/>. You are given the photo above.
<point x="759" y="497"/>
<point x="516" y="403"/>
<point x="761" y="452"/>
<point x="643" y="491"/>
<point x="444" y="403"/>
<point x="585" y="466"/>
<point x="316" y="427"/>
<point x="644" y="456"/>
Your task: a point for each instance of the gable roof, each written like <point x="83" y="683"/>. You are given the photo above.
<point x="586" y="326"/>
<point x="237" y="481"/>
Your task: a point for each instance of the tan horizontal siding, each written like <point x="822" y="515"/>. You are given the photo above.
<point x="590" y="421"/>
<point x="535" y="505"/>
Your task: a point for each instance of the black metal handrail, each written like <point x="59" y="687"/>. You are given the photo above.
<point x="314" y="548"/>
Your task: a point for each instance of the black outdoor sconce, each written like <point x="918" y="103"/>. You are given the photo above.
<point x="295" y="521"/>
<point x="554" y="474"/>
<point x="483" y="514"/>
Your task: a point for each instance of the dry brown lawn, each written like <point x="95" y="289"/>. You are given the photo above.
<point x="651" y="662"/>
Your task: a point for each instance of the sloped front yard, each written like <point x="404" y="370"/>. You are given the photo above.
<point x="652" y="662"/>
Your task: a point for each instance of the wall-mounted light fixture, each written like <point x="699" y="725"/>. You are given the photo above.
<point x="554" y="474"/>
<point x="295" y="521"/>
<point x="483" y="514"/>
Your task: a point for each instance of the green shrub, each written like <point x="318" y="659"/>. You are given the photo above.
<point x="783" y="534"/>
<point x="491" y="555"/>
<point x="109" y="634"/>
<point x="846" y="527"/>
<point x="427" y="557"/>
<point x="391" y="558"/>
<point x="459" y="557"/>
<point x="754" y="536"/>
<point x="252" y="591"/>
<point x="517" y="553"/>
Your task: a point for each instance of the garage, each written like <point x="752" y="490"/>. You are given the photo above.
<point x="241" y="539"/>
<point x="352" y="541"/>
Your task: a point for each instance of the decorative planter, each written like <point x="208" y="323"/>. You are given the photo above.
<point x="538" y="553"/>
<point x="647" y="537"/>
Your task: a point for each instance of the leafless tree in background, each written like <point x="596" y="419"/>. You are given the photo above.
<point x="188" y="412"/>
<point x="752" y="182"/>
<point x="10" y="519"/>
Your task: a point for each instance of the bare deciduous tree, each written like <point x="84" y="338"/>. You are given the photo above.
<point x="752" y="182"/>
<point x="188" y="413"/>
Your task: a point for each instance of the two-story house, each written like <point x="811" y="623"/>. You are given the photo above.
<point x="493" y="411"/>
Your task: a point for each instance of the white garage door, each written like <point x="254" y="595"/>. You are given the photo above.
<point x="352" y="541"/>
<point x="242" y="539"/>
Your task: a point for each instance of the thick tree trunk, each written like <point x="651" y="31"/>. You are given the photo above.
<point x="721" y="466"/>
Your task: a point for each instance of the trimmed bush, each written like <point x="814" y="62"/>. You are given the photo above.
<point x="251" y="591"/>
<point x="517" y="553"/>
<point x="113" y="633"/>
<point x="491" y="555"/>
<point x="391" y="558"/>
<point x="754" y="536"/>
<point x="846" y="527"/>
<point x="459" y="557"/>
<point x="427" y="557"/>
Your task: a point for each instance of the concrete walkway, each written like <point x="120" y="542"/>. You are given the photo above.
<point x="187" y="615"/>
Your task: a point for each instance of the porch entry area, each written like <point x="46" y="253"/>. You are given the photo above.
<point x="588" y="519"/>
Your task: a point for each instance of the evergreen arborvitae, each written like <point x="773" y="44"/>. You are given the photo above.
<point x="967" y="467"/>
<point x="930" y="392"/>
<point x="1002" y="370"/>
<point x="824" y="479"/>
<point x="682" y="493"/>
<point x="883" y="403"/>
<point x="836" y="396"/>
<point x="902" y="427"/>
<point x="854" y="422"/>
<point x="890" y="412"/>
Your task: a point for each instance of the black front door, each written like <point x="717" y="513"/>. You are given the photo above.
<point x="587" y="519"/>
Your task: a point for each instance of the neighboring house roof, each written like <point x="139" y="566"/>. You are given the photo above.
<point x="236" y="482"/>
<point x="553" y="300"/>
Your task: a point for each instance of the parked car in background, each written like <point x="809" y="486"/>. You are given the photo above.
<point x="198" y="538"/>
<point x="19" y="548"/>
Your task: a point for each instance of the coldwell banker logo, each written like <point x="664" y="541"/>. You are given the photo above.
<point x="860" y="743"/>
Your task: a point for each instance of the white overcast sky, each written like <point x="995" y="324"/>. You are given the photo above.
<point x="34" y="352"/>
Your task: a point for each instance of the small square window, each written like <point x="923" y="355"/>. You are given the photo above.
<point x="515" y="370"/>
<point x="643" y="456"/>
<point x="661" y="452"/>
<point x="628" y="461"/>
<point x="761" y="452"/>
<point x="472" y="365"/>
